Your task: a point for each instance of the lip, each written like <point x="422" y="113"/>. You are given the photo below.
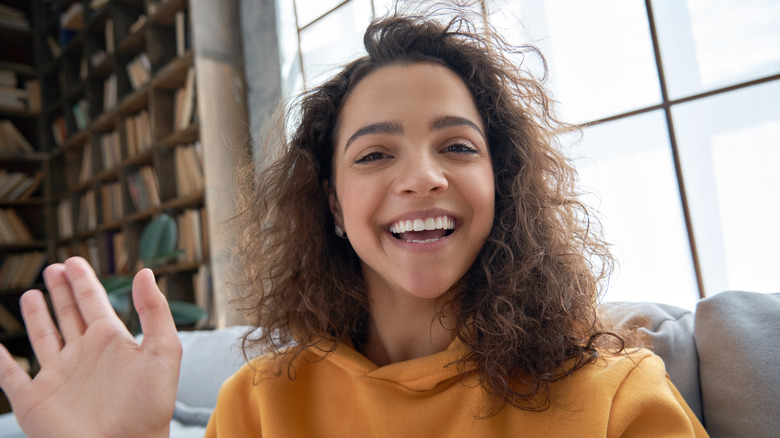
<point x="422" y="214"/>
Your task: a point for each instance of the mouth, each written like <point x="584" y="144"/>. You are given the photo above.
<point x="425" y="230"/>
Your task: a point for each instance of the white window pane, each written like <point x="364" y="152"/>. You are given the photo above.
<point x="334" y="40"/>
<point x="440" y="11"/>
<point x="710" y="44"/>
<point x="599" y="52"/>
<point x="730" y="154"/>
<point x="384" y="7"/>
<point x="310" y="10"/>
<point x="628" y="169"/>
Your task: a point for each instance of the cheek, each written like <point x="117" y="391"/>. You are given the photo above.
<point x="481" y="191"/>
<point x="358" y="203"/>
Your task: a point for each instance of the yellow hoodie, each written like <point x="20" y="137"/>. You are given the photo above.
<point x="346" y="395"/>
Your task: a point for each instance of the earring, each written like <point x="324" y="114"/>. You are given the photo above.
<point x="340" y="232"/>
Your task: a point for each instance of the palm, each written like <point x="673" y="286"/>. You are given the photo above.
<point x="100" y="382"/>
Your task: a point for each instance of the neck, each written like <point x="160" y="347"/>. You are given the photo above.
<point x="405" y="328"/>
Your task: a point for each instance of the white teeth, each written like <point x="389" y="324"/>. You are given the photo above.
<point x="431" y="223"/>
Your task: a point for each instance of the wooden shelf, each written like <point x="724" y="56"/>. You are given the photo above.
<point x="66" y="197"/>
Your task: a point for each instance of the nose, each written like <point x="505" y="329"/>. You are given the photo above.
<point x="421" y="175"/>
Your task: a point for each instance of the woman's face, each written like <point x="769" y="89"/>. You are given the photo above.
<point x="412" y="181"/>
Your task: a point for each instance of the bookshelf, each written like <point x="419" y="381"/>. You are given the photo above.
<point x="111" y="137"/>
<point x="122" y="124"/>
<point x="114" y="113"/>
<point x="24" y="166"/>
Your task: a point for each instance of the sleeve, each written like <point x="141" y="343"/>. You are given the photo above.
<point x="647" y="404"/>
<point x="237" y="412"/>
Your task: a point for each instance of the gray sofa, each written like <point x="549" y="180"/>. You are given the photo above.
<point x="724" y="359"/>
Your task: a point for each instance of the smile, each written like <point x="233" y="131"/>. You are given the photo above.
<point x="423" y="230"/>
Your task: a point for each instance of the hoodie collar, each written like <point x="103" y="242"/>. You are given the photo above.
<point x="420" y="374"/>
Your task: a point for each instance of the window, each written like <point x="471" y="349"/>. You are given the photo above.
<point x="678" y="100"/>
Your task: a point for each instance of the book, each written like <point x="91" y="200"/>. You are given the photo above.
<point x="111" y="201"/>
<point x="183" y="114"/>
<point x="59" y="130"/>
<point x="139" y="70"/>
<point x="26" y="187"/>
<point x="86" y="164"/>
<point x="12" y="142"/>
<point x="21" y="270"/>
<point x="182" y="42"/>
<point x="8" y="78"/>
<point x="54" y="48"/>
<point x="9" y="181"/>
<point x="13" y="18"/>
<point x="189" y="170"/>
<point x="7" y="233"/>
<point x="73" y="17"/>
<point x="33" y="87"/>
<point x="81" y="114"/>
<point x="109" y="31"/>
<point x="110" y="150"/>
<point x="21" y="231"/>
<point x="138" y="24"/>
<point x="151" y="184"/>
<point x="97" y="4"/>
<point x="13" y="98"/>
<point x="109" y="93"/>
<point x="87" y="219"/>
<point x="65" y="219"/>
<point x="32" y="268"/>
<point x="121" y="258"/>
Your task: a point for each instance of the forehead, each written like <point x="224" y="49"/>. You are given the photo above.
<point x="395" y="92"/>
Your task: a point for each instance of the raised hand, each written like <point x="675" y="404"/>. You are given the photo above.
<point x="95" y="379"/>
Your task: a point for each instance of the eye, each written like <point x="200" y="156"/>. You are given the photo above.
<point x="461" y="148"/>
<point x="370" y="157"/>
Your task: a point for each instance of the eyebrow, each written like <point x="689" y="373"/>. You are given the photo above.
<point x="452" y="121"/>
<point x="395" y="128"/>
<point x="376" y="128"/>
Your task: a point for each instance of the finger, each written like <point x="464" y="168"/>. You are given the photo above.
<point x="43" y="334"/>
<point x="91" y="298"/>
<point x="68" y="315"/>
<point x="155" y="315"/>
<point x="12" y="377"/>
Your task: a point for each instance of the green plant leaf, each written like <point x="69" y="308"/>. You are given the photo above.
<point x="186" y="313"/>
<point x="159" y="237"/>
<point x="120" y="303"/>
<point x="163" y="258"/>
<point x="119" y="284"/>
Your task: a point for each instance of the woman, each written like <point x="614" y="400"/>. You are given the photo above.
<point x="416" y="259"/>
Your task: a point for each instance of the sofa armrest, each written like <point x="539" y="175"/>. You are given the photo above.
<point x="208" y="359"/>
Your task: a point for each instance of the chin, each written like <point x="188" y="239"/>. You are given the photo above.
<point x="429" y="287"/>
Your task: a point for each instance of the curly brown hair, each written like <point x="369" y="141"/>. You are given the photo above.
<point x="527" y="308"/>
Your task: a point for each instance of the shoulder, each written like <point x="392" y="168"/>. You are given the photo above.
<point x="633" y="392"/>
<point x="635" y="363"/>
<point x="243" y="395"/>
<point x="609" y="372"/>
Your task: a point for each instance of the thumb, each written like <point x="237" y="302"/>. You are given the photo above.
<point x="155" y="315"/>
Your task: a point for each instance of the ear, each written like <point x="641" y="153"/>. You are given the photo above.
<point x="333" y="203"/>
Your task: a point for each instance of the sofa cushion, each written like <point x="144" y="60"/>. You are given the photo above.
<point x="208" y="359"/>
<point x="666" y="330"/>
<point x="739" y="352"/>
